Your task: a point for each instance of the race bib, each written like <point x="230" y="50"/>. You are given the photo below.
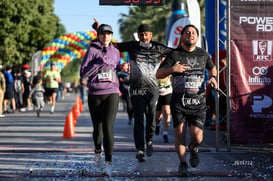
<point x="193" y="84"/>
<point x="165" y="90"/>
<point x="106" y="76"/>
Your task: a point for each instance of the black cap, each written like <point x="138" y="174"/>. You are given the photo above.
<point x="104" y="27"/>
<point x="8" y="67"/>
<point x="144" y="28"/>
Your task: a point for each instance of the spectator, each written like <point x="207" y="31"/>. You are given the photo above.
<point x="60" y="93"/>
<point x="27" y="89"/>
<point x="9" y="94"/>
<point x="2" y="91"/>
<point x="19" y="90"/>
<point x="124" y="78"/>
<point x="82" y="88"/>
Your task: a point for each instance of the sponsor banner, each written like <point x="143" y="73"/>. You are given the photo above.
<point x="251" y="116"/>
<point x="210" y="25"/>
<point x="175" y="32"/>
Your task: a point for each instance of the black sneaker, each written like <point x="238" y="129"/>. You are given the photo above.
<point x="157" y="130"/>
<point x="183" y="169"/>
<point x="140" y="156"/>
<point x="165" y="138"/>
<point x="130" y="121"/>
<point x="149" y="150"/>
<point x="194" y="158"/>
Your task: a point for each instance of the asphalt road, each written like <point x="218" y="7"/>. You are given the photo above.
<point x="33" y="148"/>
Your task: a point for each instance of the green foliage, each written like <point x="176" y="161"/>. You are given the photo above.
<point x="70" y="73"/>
<point x="155" y="16"/>
<point x="26" y="26"/>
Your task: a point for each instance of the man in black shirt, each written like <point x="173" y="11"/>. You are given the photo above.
<point x="187" y="65"/>
<point x="145" y="58"/>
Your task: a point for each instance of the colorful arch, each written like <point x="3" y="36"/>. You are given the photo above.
<point x="70" y="47"/>
<point x="66" y="48"/>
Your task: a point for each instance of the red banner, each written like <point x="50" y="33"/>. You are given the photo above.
<point x="251" y="30"/>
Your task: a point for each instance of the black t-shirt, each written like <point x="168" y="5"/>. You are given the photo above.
<point x="144" y="62"/>
<point x="189" y="85"/>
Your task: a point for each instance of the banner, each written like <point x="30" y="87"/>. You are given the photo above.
<point x="184" y="12"/>
<point x="251" y="29"/>
<point x="210" y="25"/>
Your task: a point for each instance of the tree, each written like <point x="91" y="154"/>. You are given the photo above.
<point x="26" y="26"/>
<point x="155" y="16"/>
<point x="70" y="73"/>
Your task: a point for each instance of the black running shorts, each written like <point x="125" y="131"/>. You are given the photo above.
<point x="180" y="115"/>
<point x="162" y="101"/>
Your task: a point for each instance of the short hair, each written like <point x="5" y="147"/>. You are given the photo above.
<point x="39" y="78"/>
<point x="187" y="26"/>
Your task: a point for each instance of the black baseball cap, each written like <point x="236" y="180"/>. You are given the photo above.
<point x="8" y="67"/>
<point x="144" y="28"/>
<point x="104" y="27"/>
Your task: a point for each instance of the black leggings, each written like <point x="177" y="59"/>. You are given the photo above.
<point x="103" y="110"/>
<point x="144" y="105"/>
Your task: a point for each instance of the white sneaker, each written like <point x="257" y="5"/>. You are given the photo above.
<point x="52" y="110"/>
<point x="98" y="157"/>
<point x="107" y="170"/>
<point x="98" y="161"/>
<point x="2" y="115"/>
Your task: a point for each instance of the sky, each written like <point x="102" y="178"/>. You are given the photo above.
<point x="77" y="15"/>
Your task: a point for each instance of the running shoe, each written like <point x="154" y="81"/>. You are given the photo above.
<point x="149" y="150"/>
<point x="165" y="138"/>
<point x="183" y="169"/>
<point x="98" y="159"/>
<point x="30" y="108"/>
<point x="194" y="158"/>
<point x="130" y="121"/>
<point x="107" y="170"/>
<point x="140" y="156"/>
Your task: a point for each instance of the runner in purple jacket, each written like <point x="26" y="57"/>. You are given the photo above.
<point x="100" y="65"/>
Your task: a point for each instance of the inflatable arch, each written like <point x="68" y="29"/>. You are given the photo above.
<point x="69" y="47"/>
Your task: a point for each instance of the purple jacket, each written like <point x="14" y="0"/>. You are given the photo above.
<point x="100" y="65"/>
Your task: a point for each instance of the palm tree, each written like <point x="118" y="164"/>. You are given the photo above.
<point x="155" y="16"/>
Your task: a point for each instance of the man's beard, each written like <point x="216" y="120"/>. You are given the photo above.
<point x="188" y="44"/>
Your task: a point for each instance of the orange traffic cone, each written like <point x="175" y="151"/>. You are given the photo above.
<point x="74" y="121"/>
<point x="76" y="112"/>
<point x="77" y="99"/>
<point x="69" y="126"/>
<point x="80" y="103"/>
